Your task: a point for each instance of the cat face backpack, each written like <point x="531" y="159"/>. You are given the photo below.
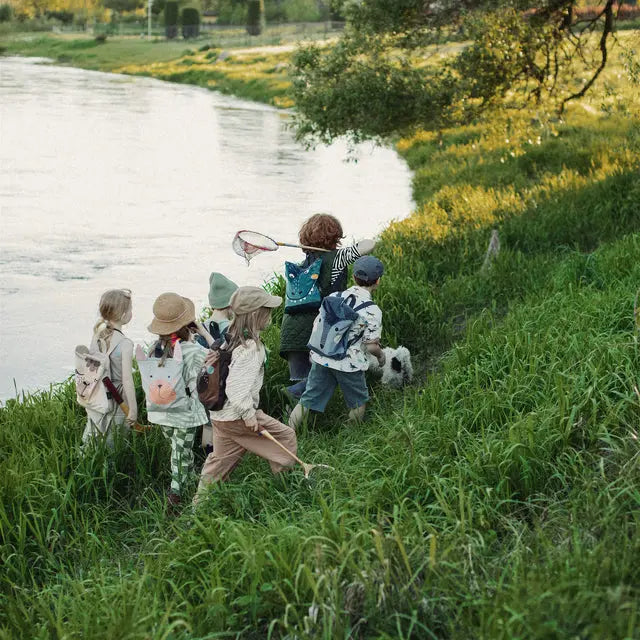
<point x="163" y="382"/>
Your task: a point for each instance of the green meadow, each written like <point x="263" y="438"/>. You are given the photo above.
<point x="496" y="497"/>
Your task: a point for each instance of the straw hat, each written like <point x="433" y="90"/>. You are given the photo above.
<point x="248" y="299"/>
<point x="171" y="312"/>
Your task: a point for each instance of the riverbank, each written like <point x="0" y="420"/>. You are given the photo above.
<point x="246" y="72"/>
<point x="495" y="498"/>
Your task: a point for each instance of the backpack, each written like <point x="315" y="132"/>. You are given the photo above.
<point x="302" y="292"/>
<point x="92" y="365"/>
<point x="330" y="334"/>
<point x="212" y="378"/>
<point x="163" y="382"/>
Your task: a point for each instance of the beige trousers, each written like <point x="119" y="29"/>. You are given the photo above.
<point x="232" y="439"/>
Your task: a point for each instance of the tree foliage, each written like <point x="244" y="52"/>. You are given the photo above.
<point x="403" y="64"/>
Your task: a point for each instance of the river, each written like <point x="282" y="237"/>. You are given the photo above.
<point x="114" y="181"/>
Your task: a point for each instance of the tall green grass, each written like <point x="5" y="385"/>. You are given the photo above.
<point x="497" y="497"/>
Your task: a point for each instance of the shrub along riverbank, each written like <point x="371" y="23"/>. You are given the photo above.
<point x="496" y="498"/>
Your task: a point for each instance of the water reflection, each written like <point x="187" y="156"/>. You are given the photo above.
<point x="108" y="180"/>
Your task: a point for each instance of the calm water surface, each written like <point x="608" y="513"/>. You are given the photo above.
<point x="113" y="181"/>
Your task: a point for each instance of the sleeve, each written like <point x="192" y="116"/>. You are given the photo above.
<point x="194" y="359"/>
<point x="244" y="369"/>
<point x="343" y="257"/>
<point x="373" y="330"/>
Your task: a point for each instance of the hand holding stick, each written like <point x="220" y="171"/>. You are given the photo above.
<point x="122" y="404"/>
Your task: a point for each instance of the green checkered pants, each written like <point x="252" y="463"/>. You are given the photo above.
<point x="181" y="455"/>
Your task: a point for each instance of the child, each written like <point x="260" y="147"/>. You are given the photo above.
<point x="115" y="311"/>
<point x="237" y="426"/>
<point x="220" y="291"/>
<point x="323" y="231"/>
<point x="173" y="322"/>
<point x="364" y="336"/>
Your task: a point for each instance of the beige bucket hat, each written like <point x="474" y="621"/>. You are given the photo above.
<point x="248" y="299"/>
<point x="171" y="312"/>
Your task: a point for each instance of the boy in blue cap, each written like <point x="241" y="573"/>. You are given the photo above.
<point x="348" y="369"/>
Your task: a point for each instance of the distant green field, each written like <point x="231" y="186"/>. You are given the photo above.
<point x="497" y="497"/>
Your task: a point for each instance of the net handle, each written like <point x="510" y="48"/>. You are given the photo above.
<point x="301" y="246"/>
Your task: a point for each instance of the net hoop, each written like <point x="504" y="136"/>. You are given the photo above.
<point x="248" y="244"/>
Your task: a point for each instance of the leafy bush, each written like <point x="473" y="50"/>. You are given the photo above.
<point x="6" y="12"/>
<point x="171" y="19"/>
<point x="255" y="17"/>
<point x="232" y="12"/>
<point x="190" y="23"/>
<point x="301" y="10"/>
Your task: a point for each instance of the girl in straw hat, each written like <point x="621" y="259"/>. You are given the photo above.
<point x="237" y="426"/>
<point x="174" y="322"/>
<point x="115" y="311"/>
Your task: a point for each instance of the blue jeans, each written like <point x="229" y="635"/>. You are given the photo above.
<point x="322" y="382"/>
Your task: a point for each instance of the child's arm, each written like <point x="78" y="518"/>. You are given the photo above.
<point x="373" y="333"/>
<point x="375" y="349"/>
<point x="128" y="388"/>
<point x="204" y="333"/>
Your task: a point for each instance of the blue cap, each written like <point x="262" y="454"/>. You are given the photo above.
<point x="368" y="269"/>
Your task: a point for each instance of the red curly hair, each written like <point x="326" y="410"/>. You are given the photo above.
<point x="321" y="230"/>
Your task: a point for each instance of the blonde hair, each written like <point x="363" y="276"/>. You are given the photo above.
<point x="114" y="304"/>
<point x="247" y="327"/>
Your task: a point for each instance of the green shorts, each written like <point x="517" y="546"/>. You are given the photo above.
<point x="322" y="382"/>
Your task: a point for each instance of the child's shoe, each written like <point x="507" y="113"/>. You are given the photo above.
<point x="296" y="390"/>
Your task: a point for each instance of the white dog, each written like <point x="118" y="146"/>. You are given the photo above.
<point x="397" y="370"/>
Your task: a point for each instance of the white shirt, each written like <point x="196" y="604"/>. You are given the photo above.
<point x="246" y="374"/>
<point x="368" y="325"/>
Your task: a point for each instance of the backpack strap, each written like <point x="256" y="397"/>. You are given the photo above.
<point x="364" y="305"/>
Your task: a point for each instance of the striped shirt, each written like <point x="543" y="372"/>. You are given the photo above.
<point x="344" y="257"/>
<point x="246" y="374"/>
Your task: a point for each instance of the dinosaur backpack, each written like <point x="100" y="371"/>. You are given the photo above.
<point x="212" y="378"/>
<point x="330" y="334"/>
<point x="163" y="382"/>
<point x="91" y="366"/>
<point x="302" y="292"/>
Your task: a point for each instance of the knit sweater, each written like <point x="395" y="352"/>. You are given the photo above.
<point x="246" y="374"/>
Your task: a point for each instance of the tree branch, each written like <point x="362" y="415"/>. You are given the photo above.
<point x="607" y="29"/>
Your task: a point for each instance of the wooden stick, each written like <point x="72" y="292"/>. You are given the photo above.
<point x="308" y="468"/>
<point x="122" y="404"/>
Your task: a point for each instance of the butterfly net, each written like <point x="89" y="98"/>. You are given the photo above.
<point x="249" y="244"/>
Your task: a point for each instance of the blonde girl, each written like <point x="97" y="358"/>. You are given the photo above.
<point x="175" y="321"/>
<point x="115" y="311"/>
<point x="237" y="426"/>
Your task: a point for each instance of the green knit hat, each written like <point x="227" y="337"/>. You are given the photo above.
<point x="220" y="290"/>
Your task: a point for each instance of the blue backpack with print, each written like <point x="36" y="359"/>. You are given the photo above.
<point x="302" y="293"/>
<point x="330" y="334"/>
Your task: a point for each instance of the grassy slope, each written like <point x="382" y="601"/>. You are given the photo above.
<point x="497" y="498"/>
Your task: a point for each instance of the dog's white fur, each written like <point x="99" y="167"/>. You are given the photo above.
<point x="397" y="370"/>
